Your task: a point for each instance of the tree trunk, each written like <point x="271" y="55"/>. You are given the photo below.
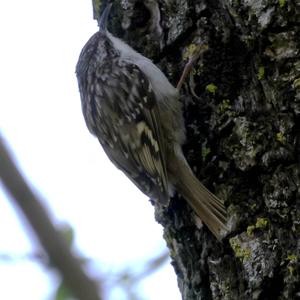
<point x="242" y="113"/>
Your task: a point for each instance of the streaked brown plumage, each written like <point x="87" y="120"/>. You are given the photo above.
<point x="131" y="107"/>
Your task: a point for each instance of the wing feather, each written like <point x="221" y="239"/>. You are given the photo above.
<point x="127" y="124"/>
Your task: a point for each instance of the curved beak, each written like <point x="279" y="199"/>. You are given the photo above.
<point x="104" y="16"/>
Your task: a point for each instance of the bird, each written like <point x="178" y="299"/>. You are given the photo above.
<point x="135" y="112"/>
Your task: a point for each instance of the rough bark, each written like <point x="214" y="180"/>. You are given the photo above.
<point x="242" y="112"/>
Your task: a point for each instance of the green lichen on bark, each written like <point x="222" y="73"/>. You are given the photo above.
<point x="243" y="139"/>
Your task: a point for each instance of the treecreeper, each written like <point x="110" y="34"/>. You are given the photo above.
<point x="135" y="112"/>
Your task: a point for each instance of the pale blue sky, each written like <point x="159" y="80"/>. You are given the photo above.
<point x="40" y="116"/>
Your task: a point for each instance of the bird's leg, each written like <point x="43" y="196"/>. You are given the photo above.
<point x="196" y="53"/>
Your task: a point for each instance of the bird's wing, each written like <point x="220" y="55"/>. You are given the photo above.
<point x="127" y="124"/>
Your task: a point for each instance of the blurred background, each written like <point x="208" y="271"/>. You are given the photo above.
<point x="112" y="223"/>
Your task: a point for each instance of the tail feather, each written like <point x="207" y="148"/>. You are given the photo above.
<point x="206" y="205"/>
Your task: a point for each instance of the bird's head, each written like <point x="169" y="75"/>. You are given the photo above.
<point x="98" y="48"/>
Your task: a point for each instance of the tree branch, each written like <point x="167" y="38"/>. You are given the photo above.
<point x="83" y="287"/>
